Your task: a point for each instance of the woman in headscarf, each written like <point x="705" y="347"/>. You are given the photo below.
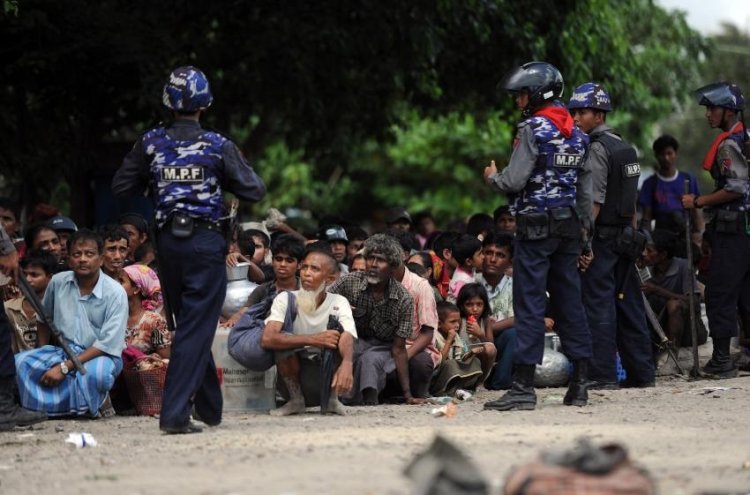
<point x="147" y="330"/>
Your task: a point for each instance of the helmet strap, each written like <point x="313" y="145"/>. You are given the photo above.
<point x="724" y="123"/>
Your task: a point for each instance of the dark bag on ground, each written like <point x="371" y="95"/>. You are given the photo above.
<point x="243" y="343"/>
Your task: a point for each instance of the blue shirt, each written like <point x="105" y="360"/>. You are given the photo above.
<point x="98" y="319"/>
<point x="666" y="198"/>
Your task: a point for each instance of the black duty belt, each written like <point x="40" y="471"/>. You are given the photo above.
<point x="199" y="224"/>
<point x="204" y="224"/>
<point x="729" y="222"/>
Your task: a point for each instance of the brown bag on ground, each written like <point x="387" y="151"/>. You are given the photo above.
<point x="583" y="470"/>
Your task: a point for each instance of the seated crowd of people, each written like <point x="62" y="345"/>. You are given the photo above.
<point x="402" y="315"/>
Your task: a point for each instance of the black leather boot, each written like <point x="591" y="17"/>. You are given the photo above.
<point x="720" y="365"/>
<point x="11" y="414"/>
<point x="577" y="394"/>
<point x="521" y="396"/>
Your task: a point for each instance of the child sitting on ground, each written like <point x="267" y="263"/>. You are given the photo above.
<point x="38" y="267"/>
<point x="467" y="252"/>
<point x="460" y="368"/>
<point x="147" y="330"/>
<point x="475" y="311"/>
<point x="148" y="340"/>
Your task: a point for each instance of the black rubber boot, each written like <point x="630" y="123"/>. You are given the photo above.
<point x="521" y="396"/>
<point x="11" y="414"/>
<point x="577" y="394"/>
<point x="181" y="430"/>
<point x="720" y="365"/>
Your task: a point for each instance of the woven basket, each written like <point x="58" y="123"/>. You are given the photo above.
<point x="145" y="388"/>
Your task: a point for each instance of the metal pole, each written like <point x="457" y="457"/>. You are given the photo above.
<point x="39" y="309"/>
<point x="695" y="372"/>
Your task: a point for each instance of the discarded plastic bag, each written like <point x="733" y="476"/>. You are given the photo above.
<point x="462" y="394"/>
<point x="81" y="440"/>
<point x="449" y="410"/>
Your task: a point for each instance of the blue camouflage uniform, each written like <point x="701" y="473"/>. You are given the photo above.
<point x="187" y="169"/>
<point x="548" y="186"/>
<point x="185" y="174"/>
<point x="611" y="287"/>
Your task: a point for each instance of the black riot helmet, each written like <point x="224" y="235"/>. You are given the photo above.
<point x="721" y="94"/>
<point x="541" y="80"/>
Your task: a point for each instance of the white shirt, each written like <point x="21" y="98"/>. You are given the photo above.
<point x="308" y="324"/>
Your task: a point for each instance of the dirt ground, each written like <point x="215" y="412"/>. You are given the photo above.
<point x="691" y="441"/>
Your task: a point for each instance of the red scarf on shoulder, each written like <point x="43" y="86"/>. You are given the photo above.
<point x="560" y="116"/>
<point x="708" y="161"/>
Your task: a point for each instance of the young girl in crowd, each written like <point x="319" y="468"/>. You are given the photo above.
<point x="467" y="252"/>
<point x="427" y="260"/>
<point x="147" y="330"/>
<point x="474" y="306"/>
<point x="460" y="368"/>
<point x="147" y="338"/>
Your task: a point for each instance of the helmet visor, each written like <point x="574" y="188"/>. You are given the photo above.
<point x="720" y="94"/>
<point x="522" y="79"/>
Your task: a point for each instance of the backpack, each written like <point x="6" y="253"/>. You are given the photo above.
<point x="243" y="343"/>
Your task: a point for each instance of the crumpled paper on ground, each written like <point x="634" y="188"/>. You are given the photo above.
<point x="81" y="440"/>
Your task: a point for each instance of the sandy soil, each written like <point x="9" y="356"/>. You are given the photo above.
<point x="690" y="440"/>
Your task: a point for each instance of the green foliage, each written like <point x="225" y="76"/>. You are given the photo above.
<point x="436" y="163"/>
<point x="729" y="60"/>
<point x="647" y="59"/>
<point x="291" y="179"/>
<point x="10" y="7"/>
<point x="348" y="105"/>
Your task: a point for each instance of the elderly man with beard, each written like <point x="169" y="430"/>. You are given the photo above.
<point x="310" y="334"/>
<point x="383" y="312"/>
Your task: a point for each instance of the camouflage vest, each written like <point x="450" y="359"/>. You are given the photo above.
<point x="185" y="174"/>
<point x="552" y="183"/>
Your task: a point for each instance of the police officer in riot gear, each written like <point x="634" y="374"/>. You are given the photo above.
<point x="546" y="185"/>
<point x="611" y="288"/>
<point x="729" y="227"/>
<point x="187" y="169"/>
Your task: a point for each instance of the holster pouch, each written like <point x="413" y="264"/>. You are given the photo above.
<point x="182" y="225"/>
<point x="533" y="226"/>
<point x="564" y="223"/>
<point x="630" y="243"/>
<point x="729" y="221"/>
